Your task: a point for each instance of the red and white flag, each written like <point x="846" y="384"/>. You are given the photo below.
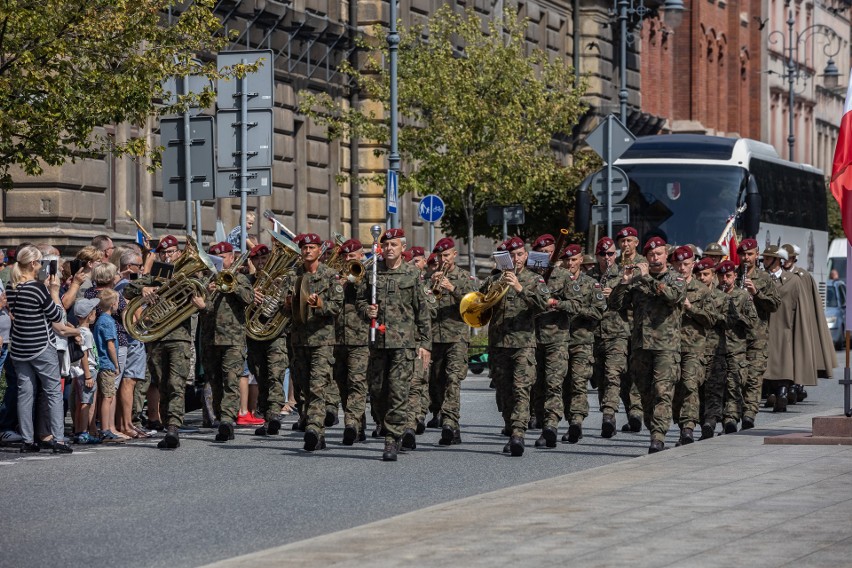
<point x="841" y="170"/>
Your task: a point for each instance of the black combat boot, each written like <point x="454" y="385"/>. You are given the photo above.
<point x="300" y="425"/>
<point x="331" y="418"/>
<point x="730" y="427"/>
<point x="312" y="440"/>
<point x="506" y="447"/>
<point x="708" y="429"/>
<point x="350" y="434"/>
<point x="801" y="393"/>
<point x="686" y="436"/>
<point x="391" y="451"/>
<point x="634" y="424"/>
<point x="780" y="399"/>
<point x="575" y="433"/>
<point x="656" y="446"/>
<point x="516" y="446"/>
<point x="447" y="435"/>
<point x="409" y="439"/>
<point x="435" y="422"/>
<point x="171" y="441"/>
<point x="748" y="423"/>
<point x="549" y="435"/>
<point x="421" y="426"/>
<point x="225" y="433"/>
<point x="608" y="426"/>
<point x="791" y="394"/>
<point x="540" y="441"/>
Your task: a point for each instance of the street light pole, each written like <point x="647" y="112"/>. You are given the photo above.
<point x="622" y="7"/>
<point x="393" y="52"/>
<point x="791" y="78"/>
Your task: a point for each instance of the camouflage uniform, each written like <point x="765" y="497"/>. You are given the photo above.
<point x="511" y="351"/>
<point x="223" y="336"/>
<point x="419" y="391"/>
<point x="742" y="319"/>
<point x="584" y="323"/>
<point x="657" y="302"/>
<point x="630" y="395"/>
<point x="611" y="341"/>
<point x="450" y="339"/>
<point x="168" y="362"/>
<point x="351" y="355"/>
<point x="766" y="300"/>
<point x="713" y="390"/>
<point x="696" y="320"/>
<point x="313" y="341"/>
<point x="403" y="311"/>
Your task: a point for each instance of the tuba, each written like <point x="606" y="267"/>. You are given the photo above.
<point x="476" y="308"/>
<point x="174" y="298"/>
<point x="266" y="321"/>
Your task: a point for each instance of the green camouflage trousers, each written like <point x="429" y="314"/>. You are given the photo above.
<point x="268" y="361"/>
<point x="630" y="392"/>
<point x="713" y="390"/>
<point x="575" y="391"/>
<point x="140" y="393"/>
<point x="448" y="370"/>
<point x="656" y="373"/>
<point x="551" y="368"/>
<point x="333" y="398"/>
<point x="685" y="404"/>
<point x="311" y="371"/>
<point x="513" y="372"/>
<point x="610" y="369"/>
<point x="168" y="365"/>
<point x="389" y="381"/>
<point x="223" y="367"/>
<point x="737" y="366"/>
<point x="419" y="384"/>
<point x="758" y="358"/>
<point x="350" y="380"/>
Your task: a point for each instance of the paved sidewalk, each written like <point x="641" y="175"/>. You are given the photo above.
<point x="730" y="501"/>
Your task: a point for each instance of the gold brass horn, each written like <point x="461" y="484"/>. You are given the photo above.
<point x="267" y="320"/>
<point x="476" y="308"/>
<point x="151" y="322"/>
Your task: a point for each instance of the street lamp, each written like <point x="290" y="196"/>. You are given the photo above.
<point x="630" y="14"/>
<point x="793" y="72"/>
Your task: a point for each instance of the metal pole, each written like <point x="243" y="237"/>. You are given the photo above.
<point x="243" y="150"/>
<point x="622" y="61"/>
<point x="608" y="160"/>
<point x="198" y="221"/>
<point x="791" y="138"/>
<point x="393" y="49"/>
<point x="431" y="236"/>
<point x="505" y="226"/>
<point x="187" y="160"/>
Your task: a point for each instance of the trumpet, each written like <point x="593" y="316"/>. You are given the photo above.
<point x="437" y="290"/>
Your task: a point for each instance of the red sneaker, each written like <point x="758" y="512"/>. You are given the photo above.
<point x="248" y="419"/>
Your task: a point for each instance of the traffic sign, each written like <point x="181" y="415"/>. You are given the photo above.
<point x="258" y="143"/>
<point x="621" y="138"/>
<point x="257" y="183"/>
<point x="393" y="191"/>
<point x="201" y="157"/>
<point x="514" y="214"/>
<point x="431" y="208"/>
<point x="259" y="85"/>
<point x="620" y="185"/>
<point x="620" y="214"/>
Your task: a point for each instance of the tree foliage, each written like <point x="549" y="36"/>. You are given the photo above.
<point x="480" y="113"/>
<point x="835" y="223"/>
<point x="68" y="67"/>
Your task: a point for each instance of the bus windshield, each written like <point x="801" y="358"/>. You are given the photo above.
<point x="683" y="203"/>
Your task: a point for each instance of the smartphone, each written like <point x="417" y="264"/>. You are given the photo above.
<point x="76" y="265"/>
<point x="133" y="276"/>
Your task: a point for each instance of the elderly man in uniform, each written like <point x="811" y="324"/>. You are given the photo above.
<point x="697" y="319"/>
<point x="404" y="335"/>
<point x="589" y="304"/>
<point x="223" y="336"/>
<point x="766" y="300"/>
<point x="511" y="341"/>
<point x="712" y="380"/>
<point x="656" y="295"/>
<point x="450" y="339"/>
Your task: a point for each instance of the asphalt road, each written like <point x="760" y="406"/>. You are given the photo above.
<point x="134" y="505"/>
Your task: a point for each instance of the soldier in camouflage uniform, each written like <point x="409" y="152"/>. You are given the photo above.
<point x="511" y="341"/>
<point x="611" y="338"/>
<point x="168" y="358"/>
<point x="697" y="319"/>
<point x="712" y="390"/>
<point x="315" y="298"/>
<point x="766" y="299"/>
<point x="551" y="348"/>
<point x="450" y="339"/>
<point x="656" y="295"/>
<point x="352" y="352"/>
<point x="588" y="294"/>
<point x="741" y="319"/>
<point x="402" y="310"/>
<point x="267" y="360"/>
<point x="223" y="335"/>
<point x="627" y="240"/>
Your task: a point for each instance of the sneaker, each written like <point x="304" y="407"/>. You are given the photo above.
<point x="10" y="437"/>
<point x="30" y="448"/>
<point x="248" y="419"/>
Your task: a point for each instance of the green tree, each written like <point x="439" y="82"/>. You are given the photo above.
<point x="835" y="225"/>
<point x="480" y="111"/>
<point x="68" y="67"/>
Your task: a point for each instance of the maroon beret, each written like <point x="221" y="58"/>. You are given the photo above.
<point x="626" y="232"/>
<point x="571" y="250"/>
<point x="501" y="246"/>
<point x="298" y="238"/>
<point x="653" y="243"/>
<point x="682" y="253"/>
<point x="544" y="240"/>
<point x="309" y="239"/>
<point x="444" y="244"/>
<point x="407" y="256"/>
<point x="704" y="264"/>
<point x="432" y="260"/>
<point x="725" y="266"/>
<point x="513" y="243"/>
<point x="417" y="251"/>
<point x="258" y="250"/>
<point x="351" y="245"/>
<point x="747" y="244"/>
<point x="166" y="242"/>
<point x="221" y="248"/>
<point x="603" y="245"/>
<point x="393" y="234"/>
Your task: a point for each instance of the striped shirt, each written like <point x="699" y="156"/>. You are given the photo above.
<point x="33" y="310"/>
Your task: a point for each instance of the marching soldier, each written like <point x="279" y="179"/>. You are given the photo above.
<point x="715" y="252"/>
<point x="267" y="360"/>
<point x="352" y="353"/>
<point x="588" y="294"/>
<point x="697" y="319"/>
<point x="511" y="340"/>
<point x="589" y="263"/>
<point x="627" y="240"/>
<point x="656" y="295"/>
<point x="741" y="319"/>
<point x="401" y="309"/>
<point x="315" y="299"/>
<point x="223" y="326"/>
<point x="712" y="392"/>
<point x="168" y="358"/>
<point x="766" y="300"/>
<point x="450" y="339"/>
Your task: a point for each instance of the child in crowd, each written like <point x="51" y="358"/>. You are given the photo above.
<point x="106" y="342"/>
<point x="84" y="373"/>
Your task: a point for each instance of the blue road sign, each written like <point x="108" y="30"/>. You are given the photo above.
<point x="431" y="208"/>
<point x="393" y="191"/>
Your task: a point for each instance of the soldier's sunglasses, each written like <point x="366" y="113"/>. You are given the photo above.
<point x="606" y="254"/>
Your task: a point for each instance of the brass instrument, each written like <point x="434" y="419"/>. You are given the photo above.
<point x="437" y="290"/>
<point x="476" y="308"/>
<point x="352" y="270"/>
<point x="174" y="298"/>
<point x="266" y="321"/>
<point x="226" y="280"/>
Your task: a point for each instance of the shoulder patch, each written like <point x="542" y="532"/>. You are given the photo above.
<point x="542" y="288"/>
<point x="338" y="288"/>
<point x="575" y="287"/>
<point x="599" y="296"/>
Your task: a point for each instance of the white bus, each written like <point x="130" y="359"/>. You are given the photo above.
<point x="684" y="186"/>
